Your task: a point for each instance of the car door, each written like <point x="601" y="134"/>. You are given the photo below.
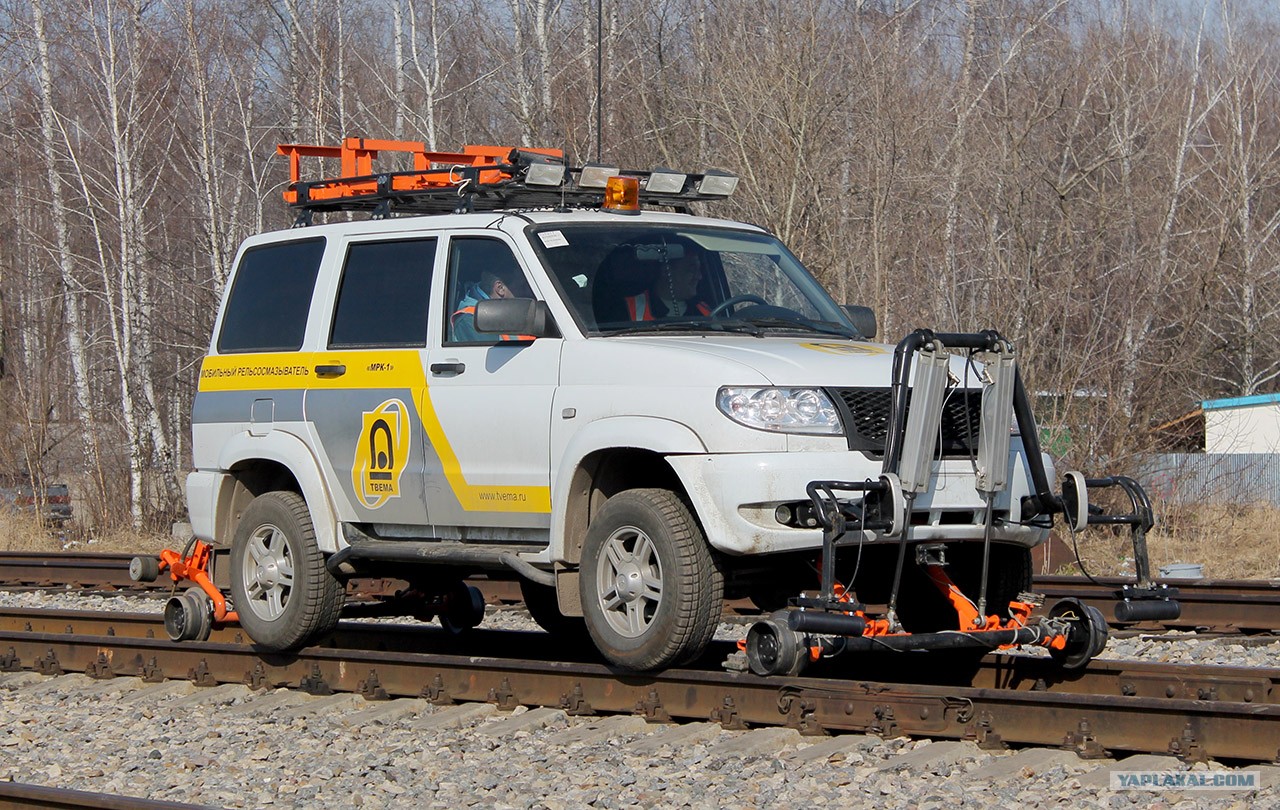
<point x="364" y="399"/>
<point x="491" y="398"/>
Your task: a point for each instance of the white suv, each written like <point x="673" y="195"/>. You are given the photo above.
<point x="620" y="408"/>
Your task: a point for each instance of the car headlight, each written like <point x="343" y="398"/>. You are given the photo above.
<point x="783" y="410"/>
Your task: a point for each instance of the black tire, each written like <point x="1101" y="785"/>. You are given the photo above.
<point x="544" y="607"/>
<point x="282" y="610"/>
<point x="654" y="538"/>
<point x="463" y="609"/>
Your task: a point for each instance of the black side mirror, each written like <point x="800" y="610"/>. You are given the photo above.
<point x="864" y="319"/>
<point x="515" y="316"/>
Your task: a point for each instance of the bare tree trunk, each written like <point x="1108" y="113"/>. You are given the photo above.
<point x="64" y="258"/>
<point x="397" y="50"/>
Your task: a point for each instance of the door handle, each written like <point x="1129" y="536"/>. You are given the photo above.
<point x="448" y="368"/>
<point x="336" y="370"/>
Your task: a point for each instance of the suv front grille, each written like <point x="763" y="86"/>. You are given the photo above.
<point x="865" y="412"/>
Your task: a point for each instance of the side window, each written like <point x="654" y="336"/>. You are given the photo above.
<point x="382" y="299"/>
<point x="270" y="297"/>
<point x="479" y="268"/>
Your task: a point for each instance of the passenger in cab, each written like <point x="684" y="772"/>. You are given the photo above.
<point x="673" y="291"/>
<point x="494" y="283"/>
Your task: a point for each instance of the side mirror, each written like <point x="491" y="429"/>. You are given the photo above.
<point x="515" y="316"/>
<point x="864" y="319"/>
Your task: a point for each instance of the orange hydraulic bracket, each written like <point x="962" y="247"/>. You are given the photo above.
<point x="195" y="568"/>
<point x="430" y="169"/>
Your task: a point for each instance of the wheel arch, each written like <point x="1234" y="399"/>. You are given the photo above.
<point x="278" y="461"/>
<point x="609" y="456"/>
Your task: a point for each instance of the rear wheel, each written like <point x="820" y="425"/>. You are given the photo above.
<point x="652" y="591"/>
<point x="284" y="595"/>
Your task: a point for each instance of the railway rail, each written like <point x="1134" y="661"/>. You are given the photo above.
<point x="1217" y="606"/>
<point x="18" y="796"/>
<point x="1194" y="712"/>
<point x="1220" y="606"/>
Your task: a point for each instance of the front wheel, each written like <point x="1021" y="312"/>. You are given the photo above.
<point x="284" y="595"/>
<point x="544" y="607"/>
<point x="652" y="591"/>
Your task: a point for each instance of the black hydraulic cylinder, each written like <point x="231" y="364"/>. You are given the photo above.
<point x="1148" y="610"/>
<point x="1045" y="500"/>
<point x="823" y="623"/>
<point x="956" y="640"/>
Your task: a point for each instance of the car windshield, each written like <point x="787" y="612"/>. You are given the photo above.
<point x="638" y="278"/>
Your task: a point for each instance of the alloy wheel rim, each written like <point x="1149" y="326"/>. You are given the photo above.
<point x="629" y="581"/>
<point x="268" y="572"/>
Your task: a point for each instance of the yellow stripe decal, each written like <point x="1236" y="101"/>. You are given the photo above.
<point x="393" y="369"/>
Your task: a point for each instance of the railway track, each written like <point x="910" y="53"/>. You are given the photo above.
<point x="1196" y="713"/>
<point x="1216" y="606"/>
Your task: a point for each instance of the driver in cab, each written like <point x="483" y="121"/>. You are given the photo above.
<point x="674" y="293"/>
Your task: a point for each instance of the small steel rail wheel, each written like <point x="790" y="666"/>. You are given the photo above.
<point x="189" y="616"/>
<point x="144" y="569"/>
<point x="284" y="595"/>
<point x="463" y="608"/>
<point x="652" y="590"/>
<point x="773" y="648"/>
<point x="1088" y="634"/>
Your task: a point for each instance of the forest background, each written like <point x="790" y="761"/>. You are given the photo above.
<point x="1097" y="179"/>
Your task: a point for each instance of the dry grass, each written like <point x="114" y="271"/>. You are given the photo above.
<point x="1231" y="542"/>
<point x="20" y="531"/>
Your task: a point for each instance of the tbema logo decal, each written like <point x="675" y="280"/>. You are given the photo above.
<point x="381" y="453"/>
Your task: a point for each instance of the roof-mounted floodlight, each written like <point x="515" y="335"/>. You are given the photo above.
<point x="622" y="194"/>
<point x="717" y="183"/>
<point x="665" y="181"/>
<point x="545" y="174"/>
<point x="596" y="175"/>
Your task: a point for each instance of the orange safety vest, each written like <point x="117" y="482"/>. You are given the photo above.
<point x="638" y="306"/>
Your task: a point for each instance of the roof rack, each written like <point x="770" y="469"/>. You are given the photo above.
<point x="479" y="178"/>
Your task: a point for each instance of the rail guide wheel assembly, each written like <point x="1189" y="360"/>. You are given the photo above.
<point x="853" y="512"/>
<point x="191" y="615"/>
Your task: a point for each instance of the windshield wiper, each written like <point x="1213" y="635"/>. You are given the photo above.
<point x="806" y="325"/>
<point x="687" y="325"/>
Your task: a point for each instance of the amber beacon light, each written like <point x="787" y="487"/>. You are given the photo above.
<point x="622" y="194"/>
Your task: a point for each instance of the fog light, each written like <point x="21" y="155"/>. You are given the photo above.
<point x="783" y="514"/>
<point x="595" y="175"/>
<point x="665" y="181"/>
<point x="544" y="174"/>
<point x="719" y="184"/>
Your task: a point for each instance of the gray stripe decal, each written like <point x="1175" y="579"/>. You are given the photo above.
<point x="237" y="406"/>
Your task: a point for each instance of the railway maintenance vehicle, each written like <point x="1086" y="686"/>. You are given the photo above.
<point x="521" y="368"/>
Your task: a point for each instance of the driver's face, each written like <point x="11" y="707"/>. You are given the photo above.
<point x="684" y="274"/>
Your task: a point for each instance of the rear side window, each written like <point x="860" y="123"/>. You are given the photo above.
<point x="270" y="297"/>
<point x="382" y="300"/>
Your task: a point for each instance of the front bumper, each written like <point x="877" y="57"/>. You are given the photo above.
<point x="735" y="496"/>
